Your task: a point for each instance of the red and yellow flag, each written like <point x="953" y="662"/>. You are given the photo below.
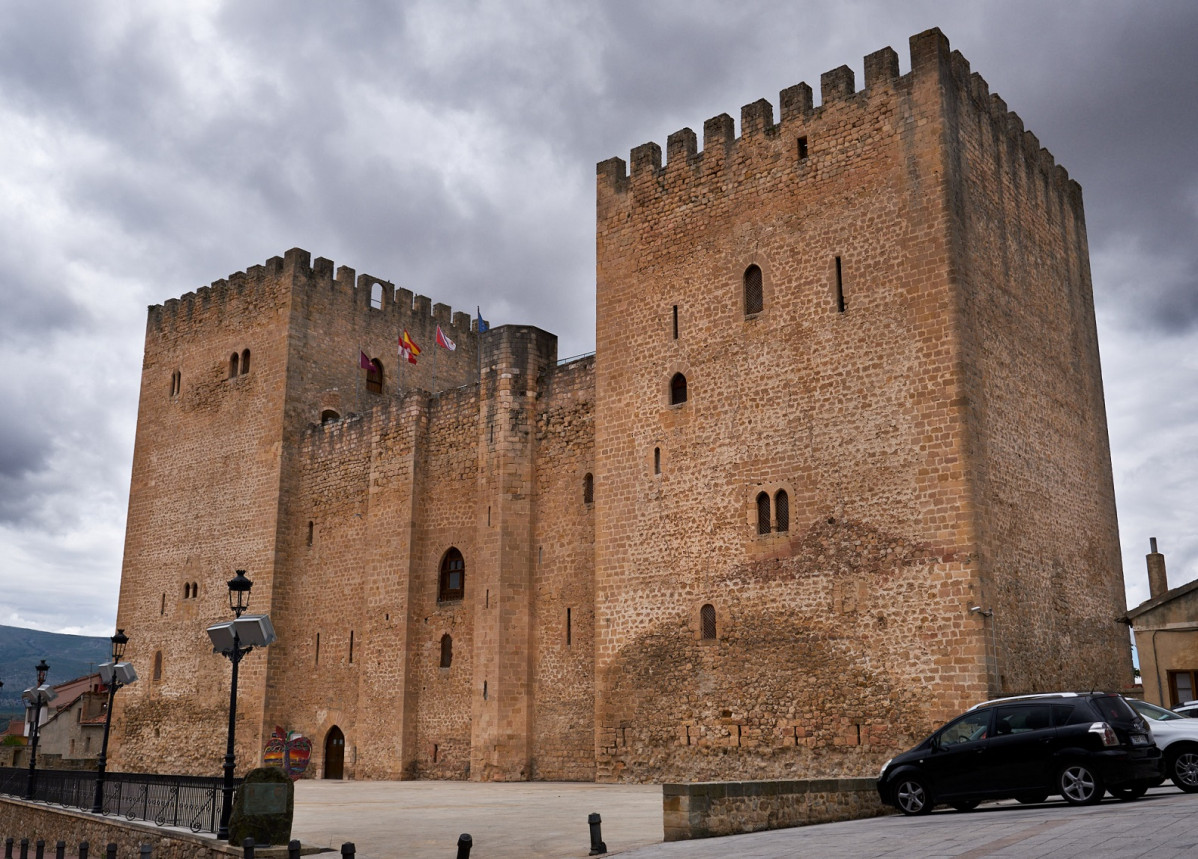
<point x="408" y="349"/>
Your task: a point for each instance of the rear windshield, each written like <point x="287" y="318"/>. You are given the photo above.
<point x="1114" y="709"/>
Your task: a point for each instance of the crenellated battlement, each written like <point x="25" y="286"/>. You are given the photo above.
<point x="804" y="135"/>
<point x="261" y="286"/>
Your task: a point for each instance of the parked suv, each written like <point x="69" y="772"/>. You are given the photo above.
<point x="1076" y="744"/>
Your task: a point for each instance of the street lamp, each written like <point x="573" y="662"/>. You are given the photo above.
<point x="114" y="674"/>
<point x="233" y="639"/>
<point x="35" y="699"/>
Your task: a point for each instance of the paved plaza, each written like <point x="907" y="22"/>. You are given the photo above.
<point x="420" y="819"/>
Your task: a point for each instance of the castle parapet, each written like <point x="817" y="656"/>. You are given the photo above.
<point x="931" y="61"/>
<point x="365" y="292"/>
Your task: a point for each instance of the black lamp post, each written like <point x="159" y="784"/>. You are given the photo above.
<point x="118" y="651"/>
<point x="239" y="601"/>
<point x="42" y="668"/>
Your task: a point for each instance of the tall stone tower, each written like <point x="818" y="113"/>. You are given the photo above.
<point x="850" y="429"/>
<point x="234" y="376"/>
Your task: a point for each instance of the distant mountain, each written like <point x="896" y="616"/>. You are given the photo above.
<point x="69" y="656"/>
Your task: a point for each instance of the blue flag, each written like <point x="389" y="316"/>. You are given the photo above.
<point x="483" y="325"/>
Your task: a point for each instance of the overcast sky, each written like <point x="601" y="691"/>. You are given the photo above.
<point x="450" y="147"/>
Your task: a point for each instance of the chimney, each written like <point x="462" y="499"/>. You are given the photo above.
<point x="1157" y="583"/>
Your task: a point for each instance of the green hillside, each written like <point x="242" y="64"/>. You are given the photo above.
<point x="69" y="656"/>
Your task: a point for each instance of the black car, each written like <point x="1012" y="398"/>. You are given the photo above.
<point x="1077" y="745"/>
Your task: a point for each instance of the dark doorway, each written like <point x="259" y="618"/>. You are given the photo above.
<point x="334" y="753"/>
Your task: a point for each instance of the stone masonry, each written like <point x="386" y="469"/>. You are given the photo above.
<point x="837" y="470"/>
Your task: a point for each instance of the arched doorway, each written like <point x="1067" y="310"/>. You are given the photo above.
<point x="334" y="753"/>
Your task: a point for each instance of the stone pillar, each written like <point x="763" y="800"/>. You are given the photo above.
<point x="514" y="359"/>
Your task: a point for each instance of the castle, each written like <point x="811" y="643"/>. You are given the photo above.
<point x="837" y="469"/>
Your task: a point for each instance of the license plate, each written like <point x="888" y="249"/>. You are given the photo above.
<point x="1139" y="740"/>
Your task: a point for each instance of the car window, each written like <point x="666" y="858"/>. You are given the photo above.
<point x="968" y="728"/>
<point x="1114" y="709"/>
<point x="1070" y="714"/>
<point x="1022" y="718"/>
<point x="1157" y="714"/>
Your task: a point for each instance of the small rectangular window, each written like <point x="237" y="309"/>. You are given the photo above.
<point x="351" y="647"/>
<point x="318" y="648"/>
<point x="839" y="288"/>
<point x="675" y="321"/>
<point x="802" y="147"/>
<point x="569" y="630"/>
<point x="657" y="460"/>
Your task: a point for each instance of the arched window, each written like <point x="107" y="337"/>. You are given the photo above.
<point x="245" y="361"/>
<point x="234" y="361"/>
<point x="707" y="622"/>
<point x="763" y="513"/>
<point x="677" y="389"/>
<point x="452" y="581"/>
<point x="376" y="296"/>
<point x="329" y="416"/>
<point x="176" y="383"/>
<point x="157" y="675"/>
<point x="374" y="376"/>
<point x="588" y="488"/>
<point x="446" y="650"/>
<point x="187" y="590"/>
<point x="754" y="297"/>
<point x="782" y="510"/>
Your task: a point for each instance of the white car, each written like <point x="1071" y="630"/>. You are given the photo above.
<point x="1189" y="708"/>
<point x="1177" y="738"/>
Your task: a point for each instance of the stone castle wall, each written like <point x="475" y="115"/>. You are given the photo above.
<point x="771" y="577"/>
<point x="846" y="634"/>
<point x="1032" y="392"/>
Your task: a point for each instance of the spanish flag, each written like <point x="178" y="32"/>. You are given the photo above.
<point x="408" y="349"/>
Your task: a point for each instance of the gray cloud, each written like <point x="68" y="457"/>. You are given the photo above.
<point x="450" y="147"/>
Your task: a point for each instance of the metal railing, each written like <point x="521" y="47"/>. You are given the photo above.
<point x="167" y="800"/>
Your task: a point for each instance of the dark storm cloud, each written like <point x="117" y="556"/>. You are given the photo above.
<point x="450" y="147"/>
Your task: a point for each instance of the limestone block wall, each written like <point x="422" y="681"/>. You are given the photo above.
<point x="203" y="503"/>
<point x="706" y="810"/>
<point x="842" y="632"/>
<point x="1048" y="542"/>
<point x="563" y="736"/>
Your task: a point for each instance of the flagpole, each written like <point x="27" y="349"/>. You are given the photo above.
<point x="434" y="390"/>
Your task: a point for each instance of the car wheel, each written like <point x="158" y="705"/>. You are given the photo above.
<point x="1183" y="769"/>
<point x="912" y="797"/>
<point x="1127" y="794"/>
<point x="966" y="804"/>
<point x="1079" y="785"/>
<point x="1031" y="798"/>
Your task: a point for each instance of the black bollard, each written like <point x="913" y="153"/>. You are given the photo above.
<point x="247" y="848"/>
<point x="147" y="852"/>
<point x="465" y="842"/>
<point x="110" y="852"/>
<point x="84" y="847"/>
<point x="60" y="850"/>
<point x="39" y="849"/>
<point x="8" y="847"/>
<point x="348" y="849"/>
<point x="597" y="845"/>
<point x="293" y="849"/>
<point x="24" y="848"/>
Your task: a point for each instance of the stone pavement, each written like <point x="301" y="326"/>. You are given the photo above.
<point x="548" y="819"/>
<point x="423" y="819"/>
